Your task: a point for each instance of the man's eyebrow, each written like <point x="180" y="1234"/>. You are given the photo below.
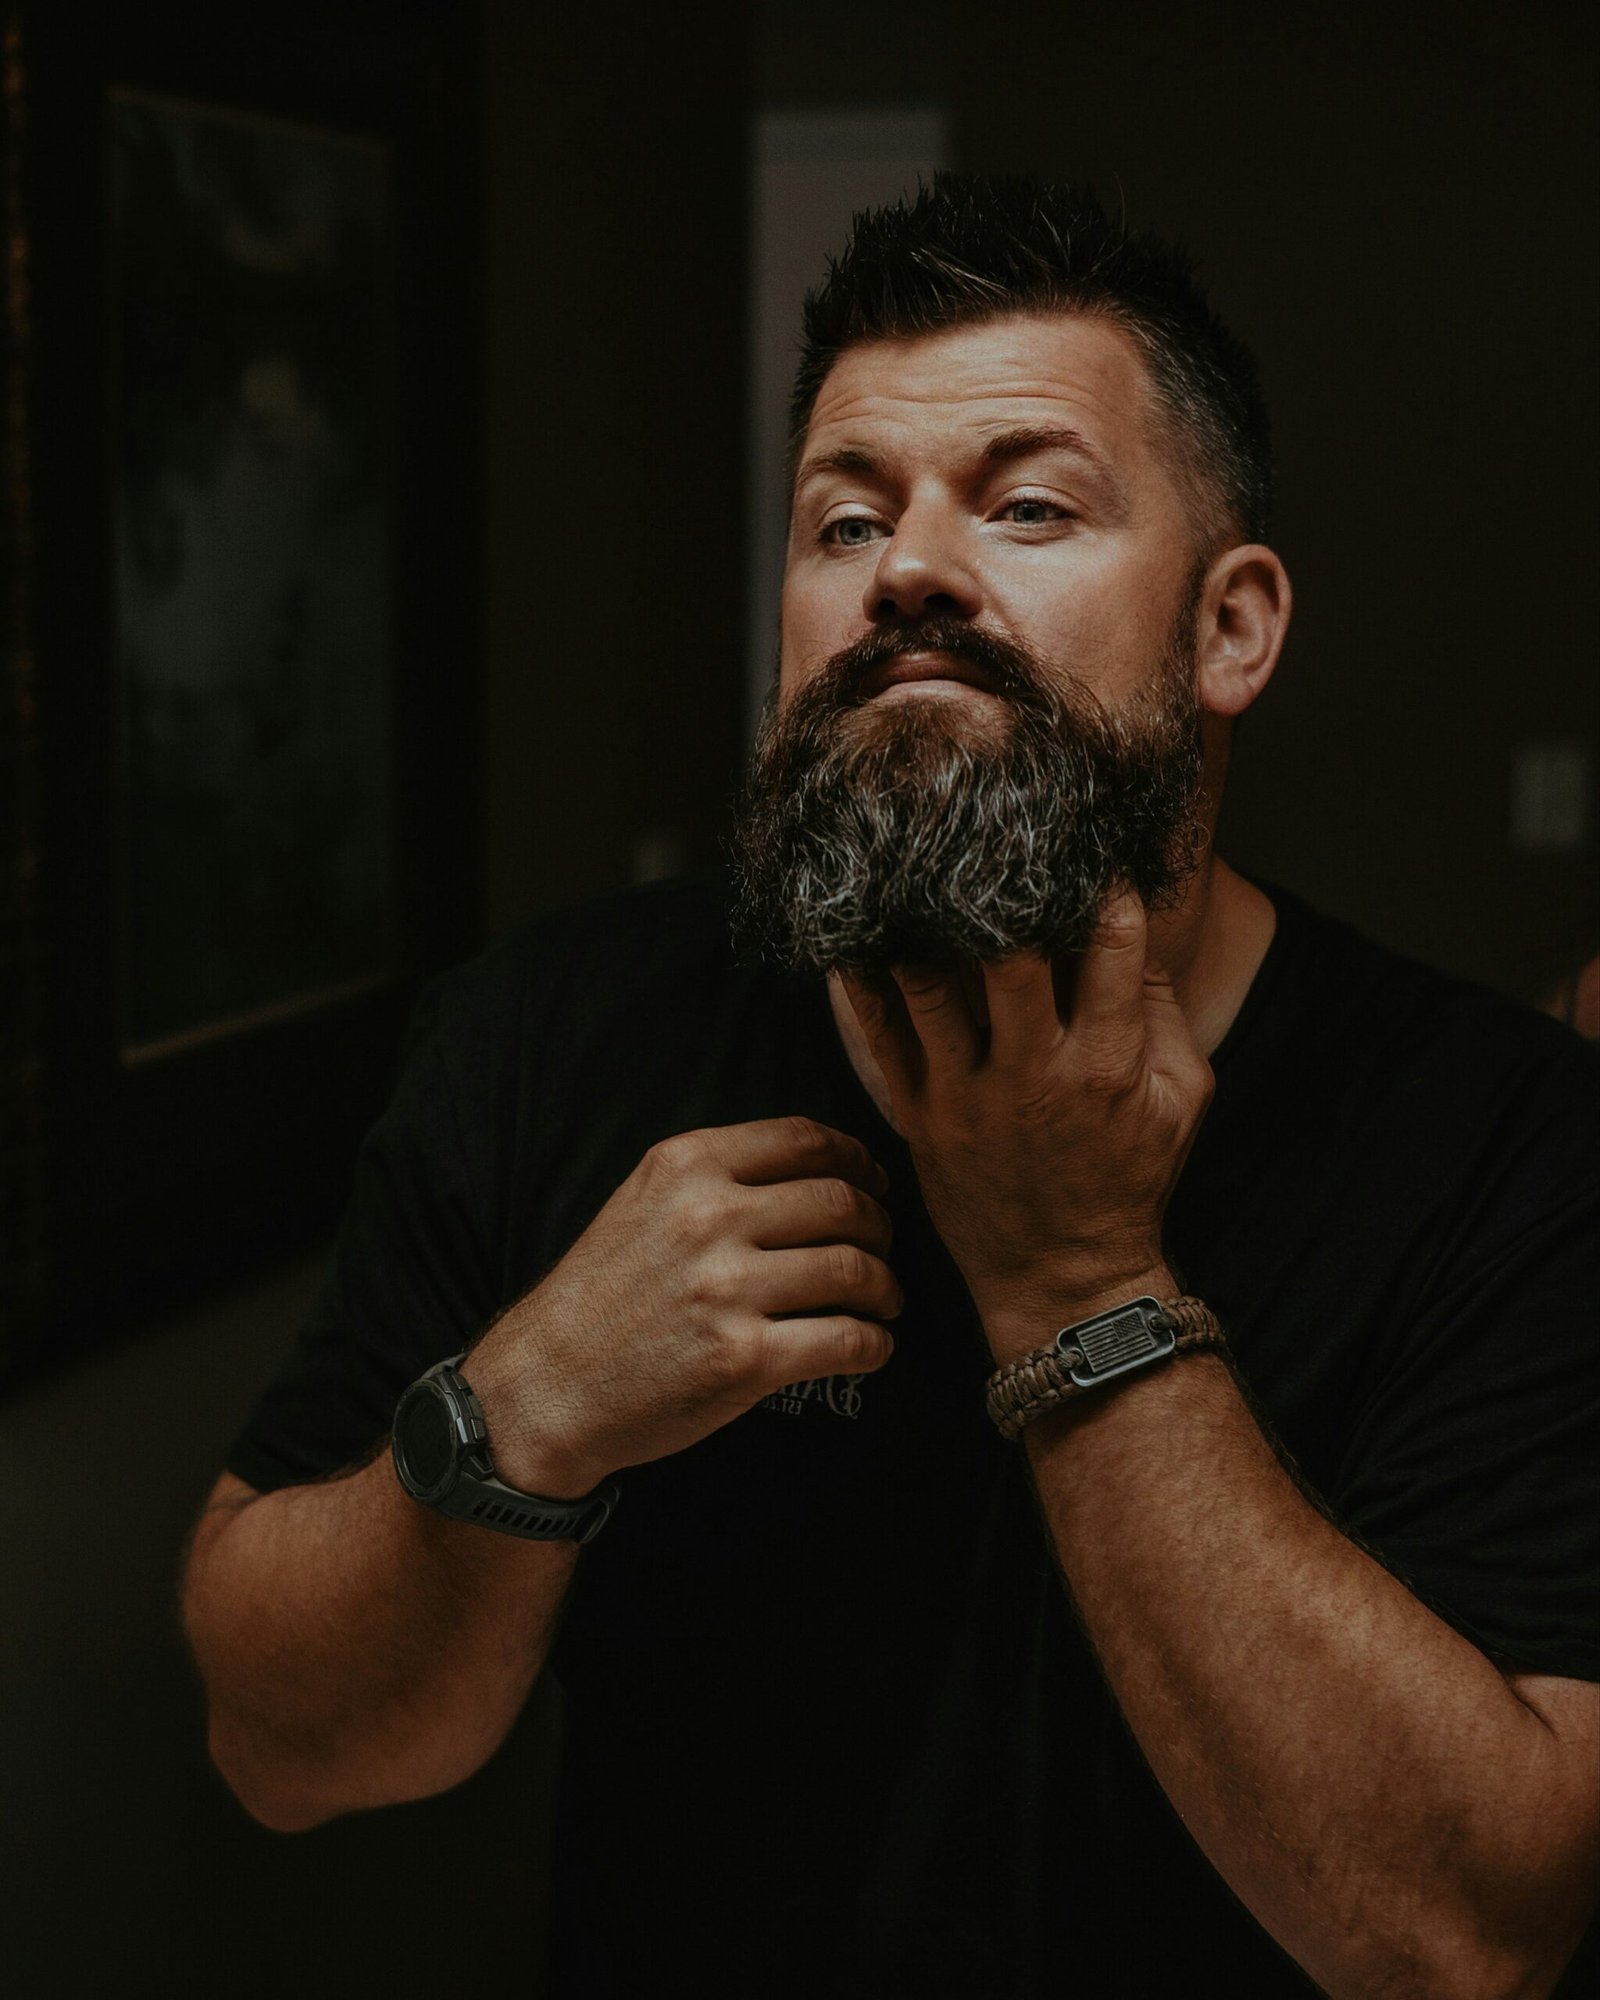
<point x="1002" y="448"/>
<point x="1024" y="440"/>
<point x="847" y="458"/>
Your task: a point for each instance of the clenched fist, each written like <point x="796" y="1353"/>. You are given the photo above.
<point x="730" y="1262"/>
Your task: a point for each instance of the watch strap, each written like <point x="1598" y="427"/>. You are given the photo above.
<point x="478" y="1494"/>
<point x="1095" y="1352"/>
<point x="486" y="1501"/>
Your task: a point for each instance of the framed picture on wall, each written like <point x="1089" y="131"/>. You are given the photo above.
<point x="250" y="387"/>
<point x="252" y="449"/>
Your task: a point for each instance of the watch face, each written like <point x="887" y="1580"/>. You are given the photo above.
<point x="425" y="1440"/>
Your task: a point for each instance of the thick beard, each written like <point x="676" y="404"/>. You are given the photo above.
<point x="921" y="830"/>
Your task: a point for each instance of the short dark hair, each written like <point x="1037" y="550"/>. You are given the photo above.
<point x="974" y="247"/>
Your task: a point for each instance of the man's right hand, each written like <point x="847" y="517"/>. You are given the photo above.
<point x="730" y="1263"/>
<point x="356" y="1648"/>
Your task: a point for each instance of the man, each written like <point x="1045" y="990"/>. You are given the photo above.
<point x="1266" y="1660"/>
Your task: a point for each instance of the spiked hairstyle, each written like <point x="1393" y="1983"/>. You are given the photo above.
<point x="971" y="248"/>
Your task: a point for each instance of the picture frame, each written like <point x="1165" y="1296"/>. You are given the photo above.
<point x="251" y="434"/>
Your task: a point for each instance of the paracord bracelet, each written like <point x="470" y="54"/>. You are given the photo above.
<point x="1097" y="1351"/>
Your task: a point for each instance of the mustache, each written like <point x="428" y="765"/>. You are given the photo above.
<point x="1012" y="670"/>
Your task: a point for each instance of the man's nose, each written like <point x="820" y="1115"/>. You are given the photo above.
<point x="923" y="569"/>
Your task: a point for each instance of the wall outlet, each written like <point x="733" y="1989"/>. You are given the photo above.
<point x="658" y="853"/>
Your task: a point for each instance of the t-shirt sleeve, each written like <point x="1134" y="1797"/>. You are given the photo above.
<point x="410" y="1281"/>
<point x="1474" y="1469"/>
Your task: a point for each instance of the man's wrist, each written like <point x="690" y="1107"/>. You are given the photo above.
<point x="527" y="1465"/>
<point x="1022" y="1321"/>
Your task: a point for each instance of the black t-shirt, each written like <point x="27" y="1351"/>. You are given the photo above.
<point x="831" y="1727"/>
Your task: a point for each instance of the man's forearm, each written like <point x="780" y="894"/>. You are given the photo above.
<point x="1371" y="1787"/>
<point x="359" y="1650"/>
<point x="1362" y="1777"/>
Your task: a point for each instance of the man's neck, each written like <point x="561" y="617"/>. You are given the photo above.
<point x="1212" y="945"/>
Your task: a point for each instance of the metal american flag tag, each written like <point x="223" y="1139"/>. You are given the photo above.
<point x="1116" y="1342"/>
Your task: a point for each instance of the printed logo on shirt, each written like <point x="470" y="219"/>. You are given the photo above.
<point x="840" y="1395"/>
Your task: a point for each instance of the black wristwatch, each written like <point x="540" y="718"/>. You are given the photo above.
<point x="441" y="1453"/>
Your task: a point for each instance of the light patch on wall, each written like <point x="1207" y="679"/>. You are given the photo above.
<point x="658" y="854"/>
<point x="1551" y="787"/>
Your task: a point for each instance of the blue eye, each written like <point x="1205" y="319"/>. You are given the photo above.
<point x="834" y="532"/>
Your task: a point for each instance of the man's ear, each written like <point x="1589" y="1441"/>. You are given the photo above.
<point x="1244" y="614"/>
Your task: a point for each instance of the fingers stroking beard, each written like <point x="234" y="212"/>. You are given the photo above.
<point x="874" y="832"/>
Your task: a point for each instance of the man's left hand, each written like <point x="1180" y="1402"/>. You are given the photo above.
<point x="1047" y="1144"/>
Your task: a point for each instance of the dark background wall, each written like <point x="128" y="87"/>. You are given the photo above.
<point x="617" y="210"/>
<point x="1397" y="211"/>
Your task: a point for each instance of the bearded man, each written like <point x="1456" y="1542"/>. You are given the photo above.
<point x="1195" y="1581"/>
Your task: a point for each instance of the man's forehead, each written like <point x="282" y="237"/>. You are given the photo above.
<point x="976" y="380"/>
